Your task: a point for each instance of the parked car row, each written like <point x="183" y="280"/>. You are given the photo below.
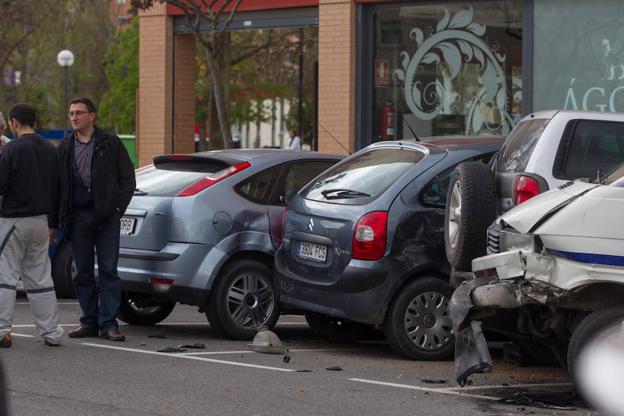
<point x="361" y="246"/>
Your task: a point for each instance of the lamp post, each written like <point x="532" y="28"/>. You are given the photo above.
<point x="65" y="59"/>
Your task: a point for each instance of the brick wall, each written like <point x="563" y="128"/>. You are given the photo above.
<point x="184" y="94"/>
<point x="336" y="75"/>
<point x="154" y="135"/>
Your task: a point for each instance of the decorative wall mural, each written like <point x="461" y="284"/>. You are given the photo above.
<point x="455" y="41"/>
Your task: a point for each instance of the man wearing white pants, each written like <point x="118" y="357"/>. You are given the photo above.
<point x="29" y="180"/>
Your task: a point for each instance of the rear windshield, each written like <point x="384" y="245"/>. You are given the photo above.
<point x="517" y="149"/>
<point x="363" y="177"/>
<point x="158" y="182"/>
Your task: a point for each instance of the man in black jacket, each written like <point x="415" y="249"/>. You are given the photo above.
<point x="29" y="179"/>
<point x="97" y="183"/>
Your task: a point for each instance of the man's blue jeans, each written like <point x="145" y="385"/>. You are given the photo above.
<point x="84" y="237"/>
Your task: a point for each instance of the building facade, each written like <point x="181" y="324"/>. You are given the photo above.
<point x="397" y="70"/>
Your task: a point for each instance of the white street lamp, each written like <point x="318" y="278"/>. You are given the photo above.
<point x="65" y="59"/>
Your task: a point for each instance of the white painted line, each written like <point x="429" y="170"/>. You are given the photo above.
<point x="32" y="326"/>
<point x="507" y="386"/>
<point x="58" y="303"/>
<point x="207" y="324"/>
<point x="427" y="389"/>
<point x="251" y="352"/>
<point x="185" y="356"/>
<point x="22" y="335"/>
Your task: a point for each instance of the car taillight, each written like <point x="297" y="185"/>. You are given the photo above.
<point x="211" y="179"/>
<point x="525" y="188"/>
<point x="369" y="236"/>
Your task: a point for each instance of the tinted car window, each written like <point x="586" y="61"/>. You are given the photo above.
<point x="517" y="149"/>
<point x="299" y="174"/>
<point x="593" y="146"/>
<point x="159" y="182"/>
<point x="434" y="193"/>
<point x="258" y="188"/>
<point x="365" y="176"/>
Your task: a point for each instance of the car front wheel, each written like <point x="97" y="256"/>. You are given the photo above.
<point x="417" y="324"/>
<point x="243" y="300"/>
<point x="137" y="309"/>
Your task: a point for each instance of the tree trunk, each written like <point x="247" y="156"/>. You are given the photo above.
<point x="218" y="59"/>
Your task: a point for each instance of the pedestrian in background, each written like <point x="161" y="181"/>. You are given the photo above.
<point x="3" y="139"/>
<point x="29" y="181"/>
<point x="295" y="141"/>
<point x="97" y="183"/>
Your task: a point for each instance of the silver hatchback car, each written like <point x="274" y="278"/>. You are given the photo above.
<point x="202" y="229"/>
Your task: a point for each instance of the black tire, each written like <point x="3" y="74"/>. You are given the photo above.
<point x="587" y="329"/>
<point x="63" y="271"/>
<point x="136" y="309"/>
<point x="337" y="330"/>
<point x="417" y="324"/>
<point x="470" y="209"/>
<point x="254" y="306"/>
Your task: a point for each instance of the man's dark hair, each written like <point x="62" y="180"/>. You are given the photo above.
<point x="84" y="100"/>
<point x="24" y="114"/>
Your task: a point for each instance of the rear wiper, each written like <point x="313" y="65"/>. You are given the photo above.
<point x="340" y="193"/>
<point x="139" y="192"/>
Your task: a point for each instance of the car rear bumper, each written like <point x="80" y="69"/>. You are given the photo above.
<point x="361" y="294"/>
<point x="186" y="269"/>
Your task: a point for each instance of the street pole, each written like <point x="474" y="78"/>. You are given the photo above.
<point x="65" y="99"/>
<point x="300" y="89"/>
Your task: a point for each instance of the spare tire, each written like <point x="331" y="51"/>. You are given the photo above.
<point x="470" y="209"/>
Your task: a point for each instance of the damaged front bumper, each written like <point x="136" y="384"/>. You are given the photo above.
<point x="508" y="288"/>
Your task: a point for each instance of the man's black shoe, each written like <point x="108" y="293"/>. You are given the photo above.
<point x="83" y="332"/>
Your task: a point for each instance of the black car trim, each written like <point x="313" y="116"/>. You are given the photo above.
<point x="129" y="253"/>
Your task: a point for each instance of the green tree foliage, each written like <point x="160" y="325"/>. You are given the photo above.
<point x="121" y="64"/>
<point x="48" y="26"/>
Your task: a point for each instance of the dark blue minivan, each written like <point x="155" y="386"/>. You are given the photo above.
<point x="363" y="244"/>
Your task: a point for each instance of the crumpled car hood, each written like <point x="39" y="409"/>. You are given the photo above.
<point x="526" y="216"/>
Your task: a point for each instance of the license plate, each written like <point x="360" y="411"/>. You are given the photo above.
<point x="310" y="251"/>
<point x="126" y="225"/>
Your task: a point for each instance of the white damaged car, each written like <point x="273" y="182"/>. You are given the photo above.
<point x="558" y="264"/>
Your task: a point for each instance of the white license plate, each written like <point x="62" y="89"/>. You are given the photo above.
<point x="126" y="225"/>
<point x="312" y="251"/>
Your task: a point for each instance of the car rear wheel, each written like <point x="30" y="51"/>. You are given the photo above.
<point x="337" y="330"/>
<point x="138" y="309"/>
<point x="244" y="300"/>
<point x="63" y="271"/>
<point x="417" y="324"/>
<point x="470" y="209"/>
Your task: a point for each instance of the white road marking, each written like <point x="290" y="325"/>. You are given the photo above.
<point x="32" y="326"/>
<point x="58" y="303"/>
<point x="22" y="335"/>
<point x="251" y="352"/>
<point x="188" y="357"/>
<point x="427" y="389"/>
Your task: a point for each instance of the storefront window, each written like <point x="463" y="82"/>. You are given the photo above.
<point x="452" y="68"/>
<point x="578" y="55"/>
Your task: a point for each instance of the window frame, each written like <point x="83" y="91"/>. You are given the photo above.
<point x="563" y="150"/>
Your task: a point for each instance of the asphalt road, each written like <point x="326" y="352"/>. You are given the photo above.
<point x="98" y="377"/>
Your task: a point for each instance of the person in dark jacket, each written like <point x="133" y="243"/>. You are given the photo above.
<point x="97" y="183"/>
<point x="29" y="180"/>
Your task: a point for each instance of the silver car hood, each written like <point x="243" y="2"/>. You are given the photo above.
<point x="526" y="216"/>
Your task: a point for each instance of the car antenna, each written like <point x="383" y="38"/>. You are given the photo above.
<point x="336" y="140"/>
<point x="413" y="132"/>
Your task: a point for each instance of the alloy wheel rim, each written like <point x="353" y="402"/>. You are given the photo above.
<point x="250" y="300"/>
<point x="427" y="323"/>
<point x="454" y="216"/>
